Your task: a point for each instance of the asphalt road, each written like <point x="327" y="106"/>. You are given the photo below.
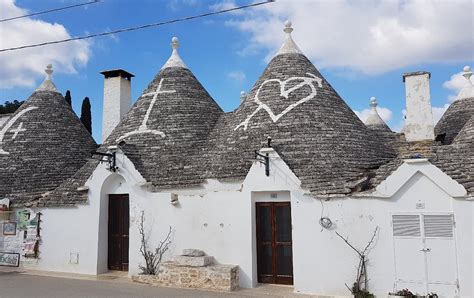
<point x="14" y="284"/>
<point x="22" y="285"/>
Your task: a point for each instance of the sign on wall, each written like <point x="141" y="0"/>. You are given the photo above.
<point x="9" y="228"/>
<point x="9" y="259"/>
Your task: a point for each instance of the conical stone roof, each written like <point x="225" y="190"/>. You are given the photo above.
<point x="466" y="135"/>
<point x="312" y="128"/>
<point x="167" y="125"/>
<point x="41" y="145"/>
<point x="454" y="119"/>
<point x="458" y="112"/>
<point x="177" y="136"/>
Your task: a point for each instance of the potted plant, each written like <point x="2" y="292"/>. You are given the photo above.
<point x="402" y="293"/>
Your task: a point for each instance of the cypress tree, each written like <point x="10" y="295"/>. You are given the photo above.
<point x="67" y="97"/>
<point x="86" y="116"/>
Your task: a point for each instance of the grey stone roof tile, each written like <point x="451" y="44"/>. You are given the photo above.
<point x="454" y="119"/>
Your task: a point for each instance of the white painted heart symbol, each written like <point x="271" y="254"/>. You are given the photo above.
<point x="285" y="93"/>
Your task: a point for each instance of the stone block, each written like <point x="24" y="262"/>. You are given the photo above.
<point x="213" y="277"/>
<point x="193" y="261"/>
<point x="193" y="252"/>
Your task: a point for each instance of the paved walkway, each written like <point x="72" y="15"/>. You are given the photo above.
<point x="46" y="284"/>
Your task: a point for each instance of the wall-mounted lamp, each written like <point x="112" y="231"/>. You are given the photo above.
<point x="108" y="158"/>
<point x="263" y="159"/>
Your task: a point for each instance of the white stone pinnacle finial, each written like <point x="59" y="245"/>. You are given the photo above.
<point x="174" y="60"/>
<point x="175" y="43"/>
<point x="289" y="46"/>
<point x="288" y="29"/>
<point x="243" y="95"/>
<point x="468" y="90"/>
<point x="467" y="73"/>
<point x="373" y="102"/>
<point x="374" y="118"/>
<point x="48" y="84"/>
<point x="49" y="71"/>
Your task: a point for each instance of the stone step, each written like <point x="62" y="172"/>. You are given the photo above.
<point x="194" y="261"/>
<point x="193" y="252"/>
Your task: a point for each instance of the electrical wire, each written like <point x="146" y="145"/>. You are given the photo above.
<point x="138" y="27"/>
<point x="50" y="10"/>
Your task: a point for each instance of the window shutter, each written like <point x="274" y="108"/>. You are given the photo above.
<point x="406" y="225"/>
<point x="439" y="226"/>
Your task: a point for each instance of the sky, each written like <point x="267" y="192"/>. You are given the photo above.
<point x="361" y="47"/>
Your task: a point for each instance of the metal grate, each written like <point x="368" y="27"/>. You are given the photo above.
<point x="438" y="226"/>
<point x="406" y="225"/>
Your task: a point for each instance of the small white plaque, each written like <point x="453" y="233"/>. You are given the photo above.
<point x="420" y="205"/>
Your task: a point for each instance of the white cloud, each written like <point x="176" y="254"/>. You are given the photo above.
<point x="456" y="83"/>
<point x="178" y="4"/>
<point x="367" y="36"/>
<point x="384" y="113"/>
<point x="21" y="68"/>
<point x="237" y="76"/>
<point x="228" y="4"/>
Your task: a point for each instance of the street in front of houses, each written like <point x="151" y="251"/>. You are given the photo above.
<point x="40" y="284"/>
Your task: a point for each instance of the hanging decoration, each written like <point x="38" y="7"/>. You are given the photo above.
<point x="32" y="236"/>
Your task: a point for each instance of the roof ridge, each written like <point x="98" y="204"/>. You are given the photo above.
<point x="466" y="134"/>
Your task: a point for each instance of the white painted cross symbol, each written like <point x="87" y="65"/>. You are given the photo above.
<point x="143" y="127"/>
<point x="17" y="130"/>
<point x="9" y="124"/>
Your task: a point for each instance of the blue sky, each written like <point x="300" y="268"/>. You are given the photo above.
<point x="362" y="48"/>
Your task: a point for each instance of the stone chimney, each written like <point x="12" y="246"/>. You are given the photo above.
<point x="117" y="99"/>
<point x="419" y="124"/>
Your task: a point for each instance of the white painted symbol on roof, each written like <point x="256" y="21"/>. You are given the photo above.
<point x="17" y="130"/>
<point x="305" y="81"/>
<point x="143" y="129"/>
<point x="9" y="124"/>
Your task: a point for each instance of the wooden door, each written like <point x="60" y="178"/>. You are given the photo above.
<point x="274" y="243"/>
<point x="118" y="232"/>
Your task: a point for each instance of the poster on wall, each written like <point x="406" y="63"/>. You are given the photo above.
<point x="22" y="217"/>
<point x="9" y="259"/>
<point x="29" y="247"/>
<point x="32" y="232"/>
<point x="9" y="228"/>
<point x="33" y="220"/>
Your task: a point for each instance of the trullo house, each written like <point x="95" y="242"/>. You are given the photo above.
<point x="275" y="187"/>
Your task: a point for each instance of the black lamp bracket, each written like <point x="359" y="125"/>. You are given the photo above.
<point x="109" y="158"/>
<point x="263" y="159"/>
